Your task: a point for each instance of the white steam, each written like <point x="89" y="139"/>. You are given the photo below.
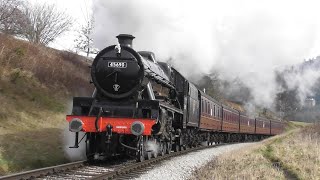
<point x="73" y="154"/>
<point x="251" y="110"/>
<point x="152" y="146"/>
<point x="303" y="80"/>
<point x="241" y="39"/>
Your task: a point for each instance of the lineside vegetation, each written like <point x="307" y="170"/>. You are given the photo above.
<point x="294" y="155"/>
<point x="36" y="88"/>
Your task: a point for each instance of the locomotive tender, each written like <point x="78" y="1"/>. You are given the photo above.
<point x="139" y="103"/>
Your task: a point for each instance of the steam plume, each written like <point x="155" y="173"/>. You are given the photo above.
<point x="241" y="39"/>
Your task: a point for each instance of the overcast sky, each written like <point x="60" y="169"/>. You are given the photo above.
<point x="305" y="11"/>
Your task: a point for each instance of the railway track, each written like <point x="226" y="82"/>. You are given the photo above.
<point x="123" y="169"/>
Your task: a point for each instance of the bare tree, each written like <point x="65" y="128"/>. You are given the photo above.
<point x="44" y="23"/>
<point x="7" y="8"/>
<point x="11" y="16"/>
<point x="84" y="41"/>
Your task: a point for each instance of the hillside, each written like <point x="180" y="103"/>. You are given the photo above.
<point x="298" y="83"/>
<point x="36" y="88"/>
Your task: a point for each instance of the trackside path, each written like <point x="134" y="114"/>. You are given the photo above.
<point x="182" y="167"/>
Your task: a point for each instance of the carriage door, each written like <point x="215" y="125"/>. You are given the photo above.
<point x="193" y="106"/>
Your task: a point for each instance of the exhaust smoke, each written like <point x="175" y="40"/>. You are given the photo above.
<point x="244" y="40"/>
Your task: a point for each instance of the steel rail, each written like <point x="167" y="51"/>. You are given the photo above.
<point x="44" y="171"/>
<point x="76" y="170"/>
<point x="125" y="170"/>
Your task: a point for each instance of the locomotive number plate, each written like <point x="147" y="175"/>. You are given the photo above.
<point x="117" y="64"/>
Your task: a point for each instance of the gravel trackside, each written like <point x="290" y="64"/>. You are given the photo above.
<point x="183" y="166"/>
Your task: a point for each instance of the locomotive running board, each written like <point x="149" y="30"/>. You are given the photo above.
<point x="168" y="106"/>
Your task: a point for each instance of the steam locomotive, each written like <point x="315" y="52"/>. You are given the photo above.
<point x="139" y="102"/>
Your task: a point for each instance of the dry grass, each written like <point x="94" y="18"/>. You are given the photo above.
<point x="299" y="152"/>
<point x="31" y="119"/>
<point x="37" y="148"/>
<point x="36" y="89"/>
<point x="295" y="155"/>
<point x="242" y="164"/>
<point x="294" y="125"/>
<point x="55" y="69"/>
<point x="25" y="103"/>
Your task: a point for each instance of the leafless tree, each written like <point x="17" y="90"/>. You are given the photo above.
<point x="11" y="16"/>
<point x="7" y="8"/>
<point x="44" y="23"/>
<point x="84" y="40"/>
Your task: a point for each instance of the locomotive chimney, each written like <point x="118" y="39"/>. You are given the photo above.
<point x="125" y="39"/>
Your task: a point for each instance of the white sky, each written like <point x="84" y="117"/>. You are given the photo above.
<point x="80" y="10"/>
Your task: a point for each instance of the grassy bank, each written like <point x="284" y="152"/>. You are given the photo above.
<point x="36" y="88"/>
<point x="298" y="153"/>
<point x="292" y="155"/>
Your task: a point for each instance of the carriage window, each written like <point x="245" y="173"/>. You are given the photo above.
<point x="201" y="105"/>
<point x="205" y="106"/>
<point x="217" y="111"/>
<point x="207" y="109"/>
